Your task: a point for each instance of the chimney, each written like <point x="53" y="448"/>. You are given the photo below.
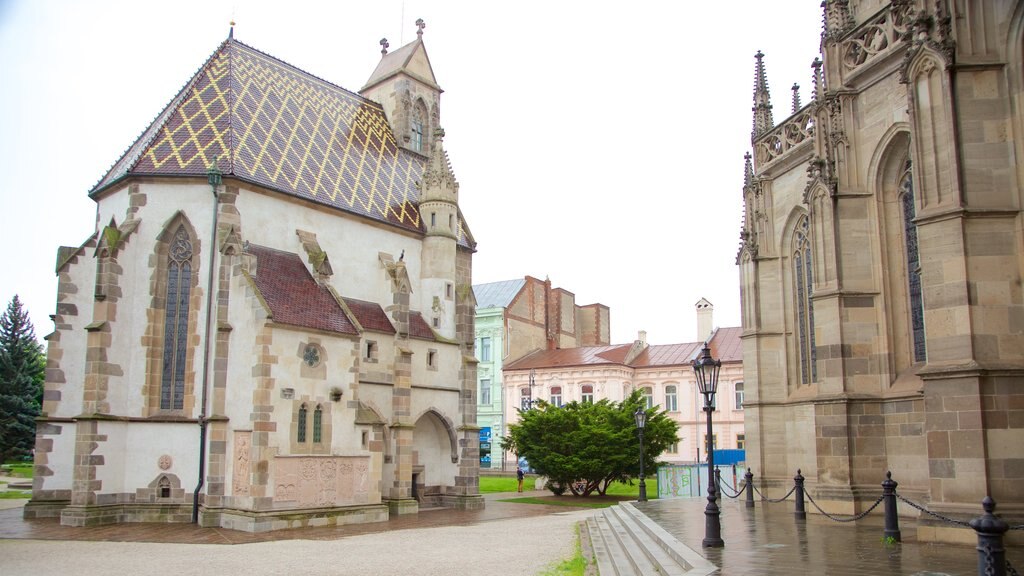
<point x="705" y="321"/>
<point x="641" y="338"/>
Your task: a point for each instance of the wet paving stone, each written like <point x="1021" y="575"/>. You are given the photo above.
<point x="768" y="540"/>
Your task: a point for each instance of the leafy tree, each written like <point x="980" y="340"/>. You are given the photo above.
<point x="22" y="369"/>
<point x="584" y="447"/>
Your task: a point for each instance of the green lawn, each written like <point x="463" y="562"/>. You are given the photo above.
<point x="490" y="484"/>
<point x="14" y="495"/>
<point x="18" y="469"/>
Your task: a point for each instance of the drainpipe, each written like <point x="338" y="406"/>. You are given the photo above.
<point x="213" y="176"/>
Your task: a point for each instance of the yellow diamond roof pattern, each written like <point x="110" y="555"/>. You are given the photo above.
<point x="266" y="122"/>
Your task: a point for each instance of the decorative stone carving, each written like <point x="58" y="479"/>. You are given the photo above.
<point x="240" y="473"/>
<point x="322" y="480"/>
<point x="165" y="462"/>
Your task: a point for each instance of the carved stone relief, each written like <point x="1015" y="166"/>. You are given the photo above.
<point x="240" y="473"/>
<point x="322" y="481"/>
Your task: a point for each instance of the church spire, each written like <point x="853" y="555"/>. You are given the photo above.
<point x="762" y="100"/>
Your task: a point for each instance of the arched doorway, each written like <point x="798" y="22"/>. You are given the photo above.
<point x="433" y="451"/>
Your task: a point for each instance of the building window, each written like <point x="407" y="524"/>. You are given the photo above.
<point x="485" y="391"/>
<point x="671" y="399"/>
<point x="556" y="396"/>
<point x="714" y="441"/>
<point x="648" y="398"/>
<point x="451" y="222"/>
<point x="588" y="394"/>
<point x="437" y="321"/>
<point x="371" y="351"/>
<point x="318" y="422"/>
<point x="804" y="307"/>
<point x="433" y="219"/>
<point x="311" y="356"/>
<point x="179" y="283"/>
<point x="300" y="433"/>
<point x="741" y="441"/>
<point x="913" y="264"/>
<point x="417" y="127"/>
<point x="524" y="398"/>
<point x="449" y="290"/>
<point x="739" y="395"/>
<point x="673" y="448"/>
<point x="432" y="359"/>
<point x="485" y="349"/>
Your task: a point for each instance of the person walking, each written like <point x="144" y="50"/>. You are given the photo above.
<point x="520" y="474"/>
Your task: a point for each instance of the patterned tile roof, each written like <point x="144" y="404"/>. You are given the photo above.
<point x="497" y="294"/>
<point x="293" y="296"/>
<point x="266" y="122"/>
<point x="725" y="346"/>
<point x="370" y="315"/>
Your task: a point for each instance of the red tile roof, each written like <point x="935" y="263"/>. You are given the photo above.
<point x="370" y="315"/>
<point x="293" y="296"/>
<point x="725" y="346"/>
<point x="266" y="122"/>
<point x="418" y="327"/>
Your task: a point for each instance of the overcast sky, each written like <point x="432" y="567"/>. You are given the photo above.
<point x="598" y="144"/>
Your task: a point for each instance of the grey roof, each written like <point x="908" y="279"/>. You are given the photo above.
<point x="497" y="293"/>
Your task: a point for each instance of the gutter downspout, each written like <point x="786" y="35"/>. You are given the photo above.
<point x="214" y="178"/>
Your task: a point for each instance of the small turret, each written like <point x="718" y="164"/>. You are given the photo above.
<point x="796" y="97"/>
<point x="762" y="109"/>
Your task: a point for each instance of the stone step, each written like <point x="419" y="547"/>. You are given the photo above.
<point x="618" y="557"/>
<point x="691" y="561"/>
<point x="626" y="543"/>
<point x="602" y="556"/>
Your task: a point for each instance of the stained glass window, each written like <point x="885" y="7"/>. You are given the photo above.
<point x="318" y="419"/>
<point x="301" y="425"/>
<point x="913" y="264"/>
<point x="179" y="282"/>
<point x="803" y="281"/>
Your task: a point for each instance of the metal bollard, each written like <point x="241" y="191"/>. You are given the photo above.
<point x="990" y="530"/>
<point x="800" y="513"/>
<point x="718" y="484"/>
<point x="749" y="479"/>
<point x="892" y="521"/>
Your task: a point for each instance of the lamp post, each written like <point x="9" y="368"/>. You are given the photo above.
<point x="641" y="422"/>
<point x="706" y="368"/>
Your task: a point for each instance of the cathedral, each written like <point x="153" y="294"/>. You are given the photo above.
<point x="881" y="257"/>
<point x="271" y="324"/>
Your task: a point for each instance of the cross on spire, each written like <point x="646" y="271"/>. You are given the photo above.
<point x="420" y="24"/>
<point x="384" y="46"/>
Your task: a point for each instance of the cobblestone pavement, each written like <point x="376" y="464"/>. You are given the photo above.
<point x="768" y="540"/>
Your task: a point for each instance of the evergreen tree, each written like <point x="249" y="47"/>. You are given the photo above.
<point x="22" y="369"/>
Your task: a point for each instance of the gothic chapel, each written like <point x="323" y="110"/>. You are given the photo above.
<point x="881" y="264"/>
<point x="272" y="323"/>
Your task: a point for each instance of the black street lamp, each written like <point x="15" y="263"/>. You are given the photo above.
<point x="641" y="422"/>
<point x="705" y="368"/>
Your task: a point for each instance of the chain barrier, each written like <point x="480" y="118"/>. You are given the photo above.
<point x="847" y="519"/>
<point x="930" y="513"/>
<point x="767" y="499"/>
<point x="735" y="494"/>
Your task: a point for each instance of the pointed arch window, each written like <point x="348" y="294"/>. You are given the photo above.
<point x="301" y="425"/>
<point x="803" y="281"/>
<point x="318" y="422"/>
<point x="179" y="283"/>
<point x="418" y="127"/>
<point x="913" y="263"/>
